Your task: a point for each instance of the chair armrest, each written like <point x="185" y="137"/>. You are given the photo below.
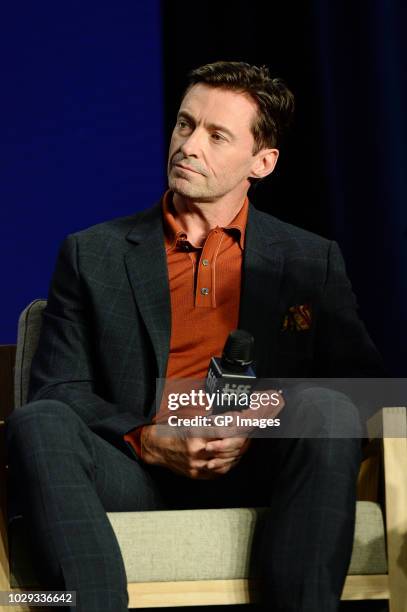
<point x="391" y="424"/>
<point x="388" y="423"/>
<point x="4" y="562"/>
<point x="7" y="361"/>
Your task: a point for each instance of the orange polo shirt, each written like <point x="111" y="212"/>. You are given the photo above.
<point x="205" y="284"/>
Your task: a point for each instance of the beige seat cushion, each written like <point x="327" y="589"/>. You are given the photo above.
<point x="204" y="544"/>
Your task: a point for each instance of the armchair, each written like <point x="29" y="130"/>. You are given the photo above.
<point x="217" y="543"/>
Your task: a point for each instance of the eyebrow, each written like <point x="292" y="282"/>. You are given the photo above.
<point x="212" y="126"/>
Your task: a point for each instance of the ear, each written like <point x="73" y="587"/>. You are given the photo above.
<point x="264" y="163"/>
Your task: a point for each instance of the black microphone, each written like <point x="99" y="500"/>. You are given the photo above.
<point x="232" y="377"/>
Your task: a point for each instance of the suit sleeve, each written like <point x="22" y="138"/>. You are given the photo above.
<point x="343" y="346"/>
<point x="63" y="367"/>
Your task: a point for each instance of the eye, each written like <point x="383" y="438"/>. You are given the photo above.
<point x="217" y="137"/>
<point x="182" y="124"/>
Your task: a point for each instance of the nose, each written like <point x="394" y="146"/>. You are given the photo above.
<point x="192" y="145"/>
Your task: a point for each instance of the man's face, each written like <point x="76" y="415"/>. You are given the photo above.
<point x="212" y="143"/>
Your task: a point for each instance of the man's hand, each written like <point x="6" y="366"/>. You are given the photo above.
<point x="201" y="457"/>
<point x="194" y="457"/>
<point x="226" y="452"/>
<point x="242" y="424"/>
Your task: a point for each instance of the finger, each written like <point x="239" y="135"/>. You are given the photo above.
<point x="218" y="462"/>
<point x="226" y="445"/>
<point x="223" y="467"/>
<point x="228" y="454"/>
<point x="268" y="409"/>
<point x="235" y="427"/>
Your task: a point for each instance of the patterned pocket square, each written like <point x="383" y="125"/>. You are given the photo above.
<point x="298" y="318"/>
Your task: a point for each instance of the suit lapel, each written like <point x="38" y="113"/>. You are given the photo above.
<point x="259" y="304"/>
<point x="263" y="263"/>
<point x="146" y="266"/>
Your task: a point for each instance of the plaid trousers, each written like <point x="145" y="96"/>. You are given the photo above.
<point x="64" y="478"/>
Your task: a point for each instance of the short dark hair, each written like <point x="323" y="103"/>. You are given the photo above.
<point x="275" y="102"/>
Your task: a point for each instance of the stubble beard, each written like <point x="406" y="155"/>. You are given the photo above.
<point x="188" y="190"/>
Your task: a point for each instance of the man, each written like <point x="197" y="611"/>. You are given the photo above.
<point x="155" y="295"/>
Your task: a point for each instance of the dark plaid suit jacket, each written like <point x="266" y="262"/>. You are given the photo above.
<point x="106" y="329"/>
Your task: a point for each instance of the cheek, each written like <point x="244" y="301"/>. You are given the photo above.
<point x="231" y="167"/>
<point x="174" y="145"/>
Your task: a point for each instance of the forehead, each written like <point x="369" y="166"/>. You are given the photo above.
<point x="219" y="106"/>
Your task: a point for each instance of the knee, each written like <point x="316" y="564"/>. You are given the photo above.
<point x="326" y="413"/>
<point x="42" y="416"/>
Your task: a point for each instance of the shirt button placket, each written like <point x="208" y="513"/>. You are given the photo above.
<point x="204" y="275"/>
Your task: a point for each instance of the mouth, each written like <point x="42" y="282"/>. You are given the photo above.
<point x="187" y="168"/>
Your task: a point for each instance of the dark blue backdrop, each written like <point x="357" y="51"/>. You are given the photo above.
<point x="362" y="57"/>
<point x="82" y="138"/>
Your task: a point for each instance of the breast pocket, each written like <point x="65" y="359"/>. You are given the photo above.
<point x="296" y="331"/>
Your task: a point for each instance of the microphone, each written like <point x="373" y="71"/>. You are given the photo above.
<point x="232" y="375"/>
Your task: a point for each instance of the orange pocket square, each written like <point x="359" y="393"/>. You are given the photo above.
<point x="298" y="318"/>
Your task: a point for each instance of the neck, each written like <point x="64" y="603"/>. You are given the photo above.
<point x="197" y="218"/>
